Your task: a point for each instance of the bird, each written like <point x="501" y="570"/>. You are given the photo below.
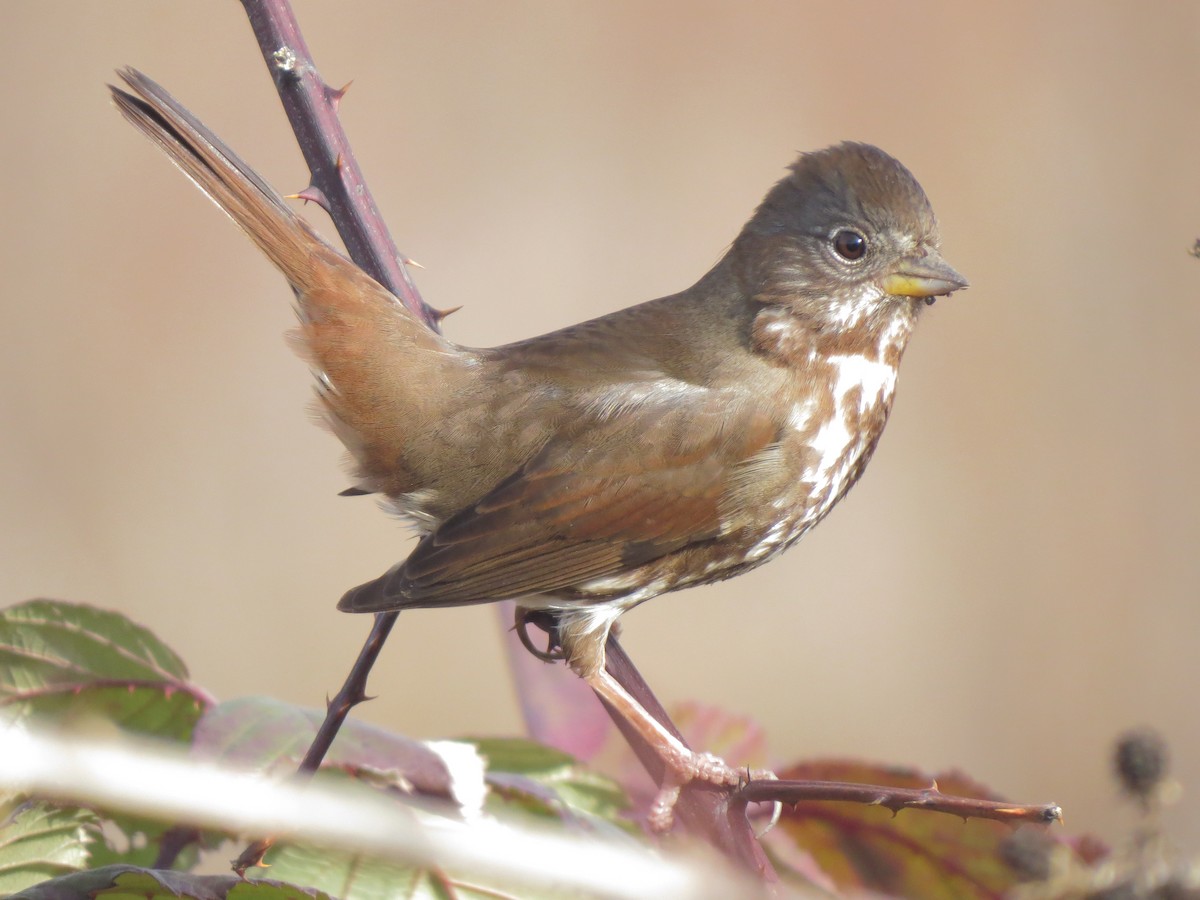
<point x="673" y="443"/>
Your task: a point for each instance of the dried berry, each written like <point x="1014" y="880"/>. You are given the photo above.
<point x="1141" y="762"/>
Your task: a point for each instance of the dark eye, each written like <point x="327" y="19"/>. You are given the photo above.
<point x="850" y="244"/>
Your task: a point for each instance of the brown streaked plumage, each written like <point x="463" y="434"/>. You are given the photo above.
<point x="677" y="442"/>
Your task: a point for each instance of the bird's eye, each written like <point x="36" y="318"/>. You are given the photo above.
<point x="849" y="245"/>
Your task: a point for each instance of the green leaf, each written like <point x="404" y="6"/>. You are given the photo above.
<point x="344" y="876"/>
<point x="39" y="841"/>
<point x="360" y="878"/>
<point x="274" y="890"/>
<point x="143" y="709"/>
<point x="67" y="660"/>
<point x="131" y="883"/>
<point x="134" y="884"/>
<point x="136" y="841"/>
<point x="546" y="781"/>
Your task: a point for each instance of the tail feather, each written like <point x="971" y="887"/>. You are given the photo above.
<point x="371" y="356"/>
<point x="287" y="240"/>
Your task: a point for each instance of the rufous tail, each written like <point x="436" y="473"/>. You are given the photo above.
<point x="370" y="354"/>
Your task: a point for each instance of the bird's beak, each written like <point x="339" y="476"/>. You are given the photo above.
<point x="929" y="276"/>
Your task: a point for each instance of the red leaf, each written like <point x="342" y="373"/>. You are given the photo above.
<point x="915" y="853"/>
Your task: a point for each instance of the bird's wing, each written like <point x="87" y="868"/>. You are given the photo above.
<point x="629" y="489"/>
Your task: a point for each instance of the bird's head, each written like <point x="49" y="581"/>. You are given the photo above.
<point x="847" y="236"/>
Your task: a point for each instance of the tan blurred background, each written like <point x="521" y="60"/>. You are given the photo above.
<point x="1014" y="582"/>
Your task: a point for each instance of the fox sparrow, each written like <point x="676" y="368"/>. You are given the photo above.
<point x="674" y="443"/>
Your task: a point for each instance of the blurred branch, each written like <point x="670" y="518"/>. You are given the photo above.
<point x="147" y="779"/>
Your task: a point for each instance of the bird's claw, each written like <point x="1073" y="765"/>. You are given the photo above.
<point x="707" y="768"/>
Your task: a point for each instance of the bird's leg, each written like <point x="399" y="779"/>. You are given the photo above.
<point x="682" y="763"/>
<point x="576" y="639"/>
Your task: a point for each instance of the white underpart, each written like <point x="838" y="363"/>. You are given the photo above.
<point x="851" y="312"/>
<point x="897" y="331"/>
<point x="777" y="322"/>
<point x="415" y="505"/>
<point x="838" y="449"/>
<point x="622" y="581"/>
<point x="877" y="380"/>
<point x="783" y="532"/>
<point x="800" y="414"/>
<point x="597" y="618"/>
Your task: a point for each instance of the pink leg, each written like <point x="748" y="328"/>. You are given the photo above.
<point x="683" y="764"/>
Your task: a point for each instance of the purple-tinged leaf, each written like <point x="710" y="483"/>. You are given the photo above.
<point x="273" y="735"/>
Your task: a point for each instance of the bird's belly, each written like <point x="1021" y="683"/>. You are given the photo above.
<point x="759" y="537"/>
<point x="815" y="464"/>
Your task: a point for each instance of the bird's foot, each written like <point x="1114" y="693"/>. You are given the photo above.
<point x="681" y="764"/>
<point x="685" y="766"/>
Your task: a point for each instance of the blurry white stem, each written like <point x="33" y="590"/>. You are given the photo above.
<point x="166" y="784"/>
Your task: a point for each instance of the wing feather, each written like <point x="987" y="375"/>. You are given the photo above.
<point x="591" y="504"/>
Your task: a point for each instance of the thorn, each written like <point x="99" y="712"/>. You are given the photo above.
<point x="335" y="95"/>
<point x="311" y="194"/>
<point x="339" y="162"/>
<point x="411" y="262"/>
<point x="440" y="314"/>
